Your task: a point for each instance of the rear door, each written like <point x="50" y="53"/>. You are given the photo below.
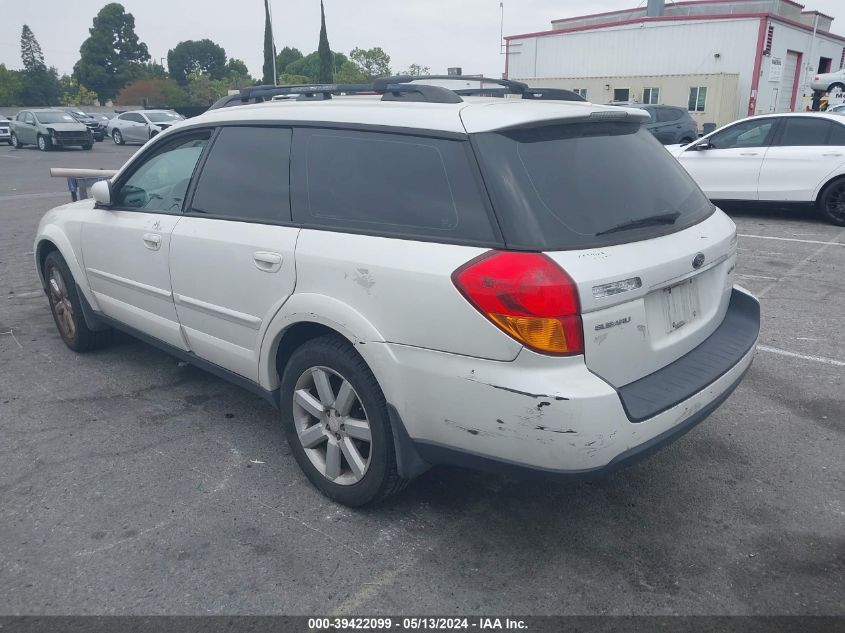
<point x="729" y="168"/>
<point x="652" y="259"/>
<point x="232" y="255"/>
<point x="805" y="150"/>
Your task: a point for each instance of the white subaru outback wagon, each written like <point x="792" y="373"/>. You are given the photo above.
<point x="417" y="279"/>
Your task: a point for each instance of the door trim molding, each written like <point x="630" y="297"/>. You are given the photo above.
<point x="241" y="318"/>
<point x="130" y="283"/>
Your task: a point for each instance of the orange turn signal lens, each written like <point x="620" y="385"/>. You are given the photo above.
<point x="543" y="334"/>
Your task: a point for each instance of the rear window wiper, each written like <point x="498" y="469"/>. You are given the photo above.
<point x="660" y="218"/>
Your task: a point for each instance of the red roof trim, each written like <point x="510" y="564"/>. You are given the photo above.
<point x="677" y="18"/>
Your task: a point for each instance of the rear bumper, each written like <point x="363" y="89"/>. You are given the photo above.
<point x="551" y="415"/>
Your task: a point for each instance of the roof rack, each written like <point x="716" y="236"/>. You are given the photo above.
<point x="391" y="88"/>
<point x="397" y="88"/>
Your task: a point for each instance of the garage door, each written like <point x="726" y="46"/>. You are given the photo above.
<point x="787" y="82"/>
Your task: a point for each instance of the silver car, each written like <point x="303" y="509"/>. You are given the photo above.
<point x="139" y="126"/>
<point x="5" y="130"/>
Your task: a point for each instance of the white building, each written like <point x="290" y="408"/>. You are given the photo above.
<point x="723" y="59"/>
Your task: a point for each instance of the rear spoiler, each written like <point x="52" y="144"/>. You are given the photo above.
<point x="79" y="180"/>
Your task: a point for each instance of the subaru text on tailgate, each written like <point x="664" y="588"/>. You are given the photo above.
<point x="414" y="278"/>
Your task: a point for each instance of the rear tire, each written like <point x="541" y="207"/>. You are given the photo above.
<point x="686" y="140"/>
<point x="346" y="450"/>
<point x="117" y="137"/>
<point x="44" y="143"/>
<point x="66" y="307"/>
<point x="832" y="202"/>
<point x="835" y="87"/>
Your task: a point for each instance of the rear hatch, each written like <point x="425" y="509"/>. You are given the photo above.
<point x="652" y="258"/>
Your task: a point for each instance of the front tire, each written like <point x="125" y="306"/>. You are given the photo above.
<point x="832" y="202"/>
<point x="88" y="146"/>
<point x="335" y="418"/>
<point x="117" y="137"/>
<point x="67" y="309"/>
<point x="44" y="143"/>
<point x="14" y="142"/>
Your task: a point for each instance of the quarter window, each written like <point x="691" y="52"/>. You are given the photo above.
<point x="246" y="175"/>
<point x="388" y="184"/>
<point x="697" y="99"/>
<point x="800" y="131"/>
<point x="651" y="95"/>
<point x="161" y="181"/>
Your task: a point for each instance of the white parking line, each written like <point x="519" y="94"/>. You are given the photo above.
<point x="817" y="359"/>
<point x="803" y="262"/>
<point x="833" y="242"/>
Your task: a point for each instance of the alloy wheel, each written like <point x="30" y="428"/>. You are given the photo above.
<point x="332" y="425"/>
<point x="835" y="202"/>
<point x="60" y="303"/>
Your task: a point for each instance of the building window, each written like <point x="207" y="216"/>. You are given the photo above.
<point x="651" y="95"/>
<point x="621" y="94"/>
<point x="581" y="92"/>
<point x="697" y="99"/>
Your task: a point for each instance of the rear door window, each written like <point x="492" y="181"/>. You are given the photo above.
<point x="388" y="184"/>
<point x="803" y="132"/>
<point x="584" y="185"/>
<point x="246" y="176"/>
<point x="837" y="134"/>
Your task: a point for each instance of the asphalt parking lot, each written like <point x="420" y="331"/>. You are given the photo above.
<point x="131" y="483"/>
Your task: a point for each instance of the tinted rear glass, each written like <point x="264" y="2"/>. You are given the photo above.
<point x="562" y="187"/>
<point x="389" y="184"/>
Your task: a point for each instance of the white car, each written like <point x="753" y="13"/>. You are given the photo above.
<point x="139" y="126"/>
<point x="829" y="82"/>
<point x="485" y="282"/>
<point x="774" y="158"/>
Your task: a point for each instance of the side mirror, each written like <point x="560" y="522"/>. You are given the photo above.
<point x="700" y="146"/>
<point x="101" y="192"/>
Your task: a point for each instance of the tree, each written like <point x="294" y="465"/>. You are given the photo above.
<point x="309" y="66"/>
<point x="287" y="56"/>
<point x="112" y="56"/>
<point x="10" y="86"/>
<point x="39" y="85"/>
<point x="31" y="55"/>
<point x="192" y="56"/>
<point x="286" y="80"/>
<point x="74" y="94"/>
<point x="349" y="74"/>
<point x="269" y="47"/>
<point x="203" y="90"/>
<point x="326" y="70"/>
<point x="415" y="70"/>
<point x="236" y="67"/>
<point x="237" y="75"/>
<point x="372" y="63"/>
<point x="152" y="93"/>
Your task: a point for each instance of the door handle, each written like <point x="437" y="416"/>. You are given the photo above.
<point x="266" y="261"/>
<point x="749" y="154"/>
<point x="833" y="154"/>
<point x="152" y="241"/>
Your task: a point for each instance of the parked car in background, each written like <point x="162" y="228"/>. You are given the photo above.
<point x="774" y="159"/>
<point x="139" y="126"/>
<point x="837" y="109"/>
<point x="419" y="278"/>
<point x="5" y="130"/>
<point x="669" y="124"/>
<point x="98" y="129"/>
<point x="829" y="82"/>
<point x="48" y="128"/>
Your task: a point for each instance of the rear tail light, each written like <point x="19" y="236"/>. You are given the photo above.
<point x="528" y="297"/>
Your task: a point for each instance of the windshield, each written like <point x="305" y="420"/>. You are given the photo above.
<point x="53" y="117"/>
<point x="163" y="117"/>
<point x="573" y="186"/>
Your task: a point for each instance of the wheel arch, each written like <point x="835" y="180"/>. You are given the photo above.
<point x="828" y="182"/>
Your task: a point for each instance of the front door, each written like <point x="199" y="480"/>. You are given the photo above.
<point x="232" y="255"/>
<point x="729" y="167"/>
<point x="126" y="247"/>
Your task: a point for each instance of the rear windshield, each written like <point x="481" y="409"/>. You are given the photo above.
<point x="162" y="117"/>
<point x="585" y="185"/>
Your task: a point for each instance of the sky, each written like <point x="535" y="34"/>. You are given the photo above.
<point x="433" y="33"/>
